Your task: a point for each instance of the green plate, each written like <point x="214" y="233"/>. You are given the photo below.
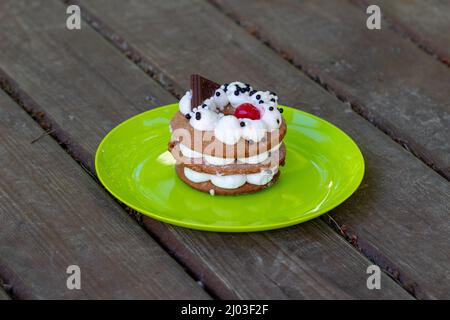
<point x="323" y="168"/>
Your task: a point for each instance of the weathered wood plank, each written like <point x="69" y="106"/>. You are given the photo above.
<point x="308" y="261"/>
<point x="54" y="215"/>
<point x="399" y="216"/>
<point x="4" y="295"/>
<point x="425" y="22"/>
<point x="72" y="54"/>
<point x="302" y="262"/>
<point x="393" y="83"/>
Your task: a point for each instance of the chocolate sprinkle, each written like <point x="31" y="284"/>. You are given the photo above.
<point x="188" y="116"/>
<point x="198" y="115"/>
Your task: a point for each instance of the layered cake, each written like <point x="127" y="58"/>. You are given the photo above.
<point x="227" y="139"/>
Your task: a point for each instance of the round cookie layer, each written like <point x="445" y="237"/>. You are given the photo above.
<point x="204" y="141"/>
<point x="235" y="168"/>
<point x="208" y="186"/>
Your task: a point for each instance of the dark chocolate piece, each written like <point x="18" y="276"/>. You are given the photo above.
<point x="202" y="89"/>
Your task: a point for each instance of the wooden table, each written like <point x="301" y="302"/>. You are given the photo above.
<point x="63" y="90"/>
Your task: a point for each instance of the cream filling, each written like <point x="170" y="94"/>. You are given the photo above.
<point x="217" y="161"/>
<point x="227" y="128"/>
<point x="232" y="181"/>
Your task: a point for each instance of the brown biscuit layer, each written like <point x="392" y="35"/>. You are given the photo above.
<point x="207" y="186"/>
<point x="236" y="168"/>
<point x="206" y="143"/>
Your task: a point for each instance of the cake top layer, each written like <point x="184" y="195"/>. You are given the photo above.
<point x="232" y="110"/>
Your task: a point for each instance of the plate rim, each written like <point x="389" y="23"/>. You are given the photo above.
<point x="232" y="229"/>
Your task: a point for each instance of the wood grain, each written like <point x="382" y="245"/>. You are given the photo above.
<point x="390" y="81"/>
<point x="398" y="217"/>
<point x="425" y="22"/>
<point x="308" y="261"/>
<point x="87" y="69"/>
<point x="52" y="215"/>
<point x="4" y="295"/>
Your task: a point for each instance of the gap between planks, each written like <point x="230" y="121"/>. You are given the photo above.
<point x="132" y="54"/>
<point x="43" y="118"/>
<point x="368" y="251"/>
<point x="12" y="89"/>
<point x="321" y="82"/>
<point x="403" y="32"/>
<point x="8" y="85"/>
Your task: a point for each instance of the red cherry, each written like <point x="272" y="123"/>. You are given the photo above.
<point x="247" y="110"/>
